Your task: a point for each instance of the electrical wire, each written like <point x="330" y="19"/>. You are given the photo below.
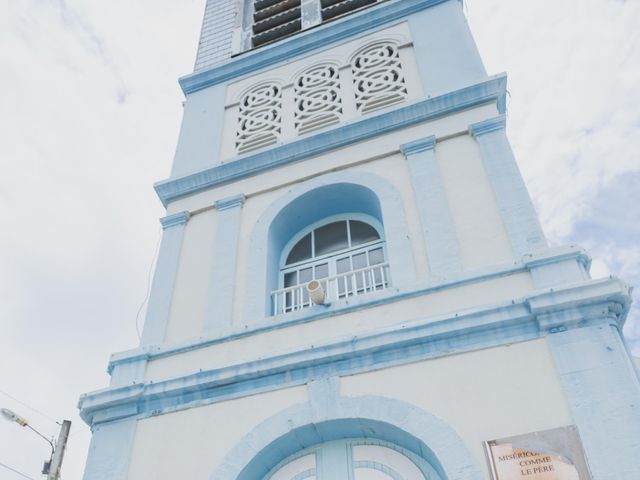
<point x="146" y="297"/>
<point x="16" y="471"/>
<point x="29" y="407"/>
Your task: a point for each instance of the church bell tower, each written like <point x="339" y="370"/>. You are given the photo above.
<point x="352" y="282"/>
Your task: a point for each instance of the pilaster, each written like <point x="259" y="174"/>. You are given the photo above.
<point x="110" y="451"/>
<point x="438" y="231"/>
<point x="603" y="392"/>
<point x="518" y="215"/>
<point x="219" y="307"/>
<point x="159" y="307"/>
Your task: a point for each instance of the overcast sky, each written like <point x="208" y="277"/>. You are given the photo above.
<point x="89" y="115"/>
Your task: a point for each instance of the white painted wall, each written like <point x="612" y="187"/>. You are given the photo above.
<point x="189" y="444"/>
<point x="192" y="282"/>
<point x="482" y="395"/>
<point x="481" y="234"/>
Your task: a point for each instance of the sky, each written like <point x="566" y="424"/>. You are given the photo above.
<point x="90" y="110"/>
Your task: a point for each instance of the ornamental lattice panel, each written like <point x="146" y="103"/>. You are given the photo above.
<point x="260" y="122"/>
<point x="317" y="98"/>
<point x="378" y="78"/>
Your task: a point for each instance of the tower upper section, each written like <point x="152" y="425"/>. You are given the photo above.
<point x="231" y="27"/>
<point x="269" y="73"/>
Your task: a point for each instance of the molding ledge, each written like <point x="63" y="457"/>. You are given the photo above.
<point x="488" y="126"/>
<point x="175" y="219"/>
<point x="537" y="315"/>
<point x="417" y="146"/>
<point x="528" y="263"/>
<point x="491" y="90"/>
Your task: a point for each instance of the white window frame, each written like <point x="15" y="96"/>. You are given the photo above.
<point x="349" y="251"/>
<point x="323" y="453"/>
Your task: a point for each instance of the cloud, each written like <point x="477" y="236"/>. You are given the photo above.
<point x="573" y="120"/>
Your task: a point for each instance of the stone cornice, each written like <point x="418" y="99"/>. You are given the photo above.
<point x="491" y="90"/>
<point x="488" y="126"/>
<point x="418" y="146"/>
<point x="175" y="219"/>
<point x="528" y="262"/>
<point x="586" y="303"/>
<point x="230" y="202"/>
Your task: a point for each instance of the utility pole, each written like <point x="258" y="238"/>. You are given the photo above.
<point x="58" y="452"/>
<point x="52" y="467"/>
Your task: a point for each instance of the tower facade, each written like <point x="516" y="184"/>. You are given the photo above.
<point x="352" y="281"/>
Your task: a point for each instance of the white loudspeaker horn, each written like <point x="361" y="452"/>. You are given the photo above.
<point x="316" y="292"/>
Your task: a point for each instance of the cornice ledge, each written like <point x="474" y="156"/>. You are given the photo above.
<point x="491" y="90"/>
<point x="175" y="219"/>
<point x="424" y="338"/>
<point x="417" y="146"/>
<point x="549" y="256"/>
<point x="528" y="318"/>
<point x="302" y="43"/>
<point x="557" y="254"/>
<point x="487" y="126"/>
<point x="563" y="308"/>
<point x="230" y="202"/>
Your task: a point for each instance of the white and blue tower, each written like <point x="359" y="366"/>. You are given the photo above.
<point x="352" y="281"/>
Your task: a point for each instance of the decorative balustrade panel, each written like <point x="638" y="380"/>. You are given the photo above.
<point x="378" y="78"/>
<point x="260" y="122"/>
<point x="317" y="98"/>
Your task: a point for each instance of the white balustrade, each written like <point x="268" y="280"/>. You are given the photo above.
<point x="346" y="285"/>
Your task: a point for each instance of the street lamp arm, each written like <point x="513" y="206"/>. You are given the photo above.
<point x="41" y="435"/>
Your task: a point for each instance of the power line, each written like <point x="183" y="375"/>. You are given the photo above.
<point x="29" y="407"/>
<point x="146" y="296"/>
<point x="16" y="471"/>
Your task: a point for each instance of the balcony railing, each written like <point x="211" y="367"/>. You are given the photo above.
<point x="345" y="285"/>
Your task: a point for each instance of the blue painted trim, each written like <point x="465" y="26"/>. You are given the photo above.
<point x="593" y="302"/>
<point x="418" y="146"/>
<point x="438" y="231"/>
<point x="219" y="307"/>
<point x="529" y="263"/>
<point x="516" y="209"/>
<point x="371" y="193"/>
<point x="305" y="42"/>
<point x="175" y="219"/>
<point x="488" y="126"/>
<point x="230" y="202"/>
<point x="381" y="418"/>
<point x="491" y="90"/>
<point x="603" y="392"/>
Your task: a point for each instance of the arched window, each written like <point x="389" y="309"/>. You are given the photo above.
<point x="346" y="255"/>
<point x="356" y="459"/>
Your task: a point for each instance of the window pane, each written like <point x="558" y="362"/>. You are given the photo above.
<point x="290" y="279"/>
<point x="306" y="275"/>
<point x="331" y="238"/>
<point x="362" y="233"/>
<point x="343" y="265"/>
<point x="360" y="261"/>
<point x="322" y="270"/>
<point x="300" y="251"/>
<point x="376" y="256"/>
